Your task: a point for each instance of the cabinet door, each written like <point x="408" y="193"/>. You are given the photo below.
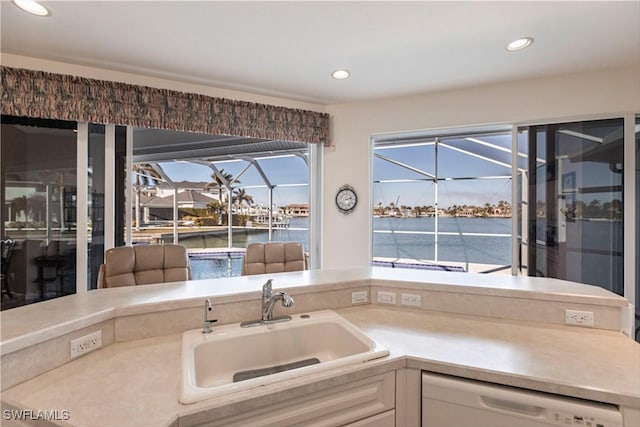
<point x="336" y="406"/>
<point x="408" y="399"/>
<point x="386" y="419"/>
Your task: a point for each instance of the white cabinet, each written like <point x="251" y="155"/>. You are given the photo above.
<point x="337" y="406"/>
<point x="630" y="416"/>
<point x="386" y="419"/>
<point x="408" y="399"/>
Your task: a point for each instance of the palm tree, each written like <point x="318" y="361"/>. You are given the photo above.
<point x="241" y="196"/>
<point x="146" y="175"/>
<point x="379" y="209"/>
<point x="217" y="183"/>
<point x="487" y="209"/>
<point x="392" y="209"/>
<point x="216" y="207"/>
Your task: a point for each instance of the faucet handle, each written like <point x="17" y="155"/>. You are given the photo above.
<point x="267" y="288"/>
<point x="206" y="329"/>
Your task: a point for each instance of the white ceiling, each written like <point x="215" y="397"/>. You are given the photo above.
<point x="289" y="49"/>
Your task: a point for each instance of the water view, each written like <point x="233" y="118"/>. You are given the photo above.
<point x="243" y="236"/>
<point x="391" y="239"/>
<point x="456" y="248"/>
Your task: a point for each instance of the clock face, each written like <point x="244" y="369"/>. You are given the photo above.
<point x="346" y="199"/>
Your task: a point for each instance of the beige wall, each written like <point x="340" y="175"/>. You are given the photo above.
<point x="346" y="239"/>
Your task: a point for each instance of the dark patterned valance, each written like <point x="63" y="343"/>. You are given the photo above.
<point x="56" y="96"/>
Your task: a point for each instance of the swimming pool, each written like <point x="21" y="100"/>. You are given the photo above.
<point x="213" y="266"/>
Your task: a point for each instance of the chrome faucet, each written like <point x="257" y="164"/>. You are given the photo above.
<point x="269" y="300"/>
<point x="206" y="328"/>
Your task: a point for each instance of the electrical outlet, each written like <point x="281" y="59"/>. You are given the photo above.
<point x="360" y="297"/>
<point x="85" y="344"/>
<point x="386" y="297"/>
<point x="579" y="318"/>
<point x="411" y="299"/>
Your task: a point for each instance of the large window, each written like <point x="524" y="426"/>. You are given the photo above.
<point x="39" y="212"/>
<point x="443" y="201"/>
<point x="217" y="194"/>
<point x="63" y="187"/>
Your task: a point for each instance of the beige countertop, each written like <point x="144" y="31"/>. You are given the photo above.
<point x="32" y="324"/>
<point x="579" y="362"/>
<point x="135" y="383"/>
<point x="540" y="288"/>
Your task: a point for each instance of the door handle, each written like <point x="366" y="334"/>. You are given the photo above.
<point x="511" y="406"/>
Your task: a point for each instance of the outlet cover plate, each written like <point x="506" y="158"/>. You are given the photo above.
<point x="578" y="318"/>
<point x="85" y="344"/>
<point x="386" y="297"/>
<point x="360" y="297"/>
<point x="413" y="300"/>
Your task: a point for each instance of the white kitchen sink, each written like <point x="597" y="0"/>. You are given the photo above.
<point x="234" y="358"/>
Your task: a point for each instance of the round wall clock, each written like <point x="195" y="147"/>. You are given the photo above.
<point x="346" y="199"/>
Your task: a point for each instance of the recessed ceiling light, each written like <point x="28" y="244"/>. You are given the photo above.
<point x="32" y="7"/>
<point x="519" y="44"/>
<point x="340" y="74"/>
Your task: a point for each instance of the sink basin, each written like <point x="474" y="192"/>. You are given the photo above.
<point x="234" y="358"/>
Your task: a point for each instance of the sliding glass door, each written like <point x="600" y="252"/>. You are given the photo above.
<point x="38" y="223"/>
<point x="575" y="228"/>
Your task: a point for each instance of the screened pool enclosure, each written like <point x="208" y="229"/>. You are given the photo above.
<point x="443" y="201"/>
<point x="217" y="194"/>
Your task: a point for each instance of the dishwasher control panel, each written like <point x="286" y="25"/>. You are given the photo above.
<point x="567" y="419"/>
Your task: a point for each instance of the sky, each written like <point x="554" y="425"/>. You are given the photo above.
<point x="282" y="172"/>
<point x="452" y="163"/>
<point x="292" y="170"/>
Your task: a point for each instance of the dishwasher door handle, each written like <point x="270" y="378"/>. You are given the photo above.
<point x="511" y="406"/>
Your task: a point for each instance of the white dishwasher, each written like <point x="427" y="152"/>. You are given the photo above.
<point x="456" y="402"/>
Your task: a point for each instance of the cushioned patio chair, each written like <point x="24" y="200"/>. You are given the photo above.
<point x="143" y="265"/>
<point x="273" y="257"/>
